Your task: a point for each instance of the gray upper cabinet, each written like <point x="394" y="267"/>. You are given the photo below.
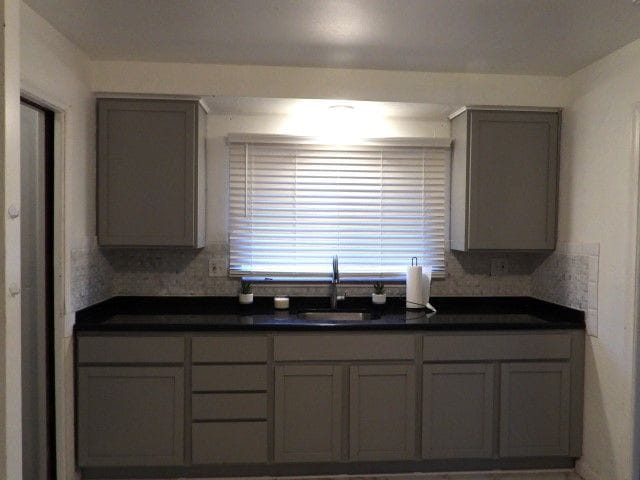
<point x="457" y="410"/>
<point x="382" y="412"/>
<point x="130" y="416"/>
<point x="151" y="173"/>
<point x="504" y="179"/>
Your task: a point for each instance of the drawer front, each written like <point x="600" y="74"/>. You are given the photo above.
<point x="229" y="406"/>
<point x="131" y="349"/>
<point x="344" y="347"/>
<point x="496" y="347"/>
<point x="232" y="349"/>
<point x="229" y="442"/>
<point x="229" y="378"/>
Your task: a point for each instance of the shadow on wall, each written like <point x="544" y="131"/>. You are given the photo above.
<point x="169" y="260"/>
<point x="603" y="461"/>
<point x="479" y="263"/>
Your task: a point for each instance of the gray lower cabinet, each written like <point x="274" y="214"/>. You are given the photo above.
<point x="284" y="399"/>
<point x="229" y="428"/>
<point x="457" y="410"/>
<point x="151" y="172"/>
<point x="229" y="400"/>
<point x="308" y="413"/>
<point x="382" y="409"/>
<point x="504" y="177"/>
<point x="534" y="409"/>
<point x="229" y="442"/>
<point x="130" y="416"/>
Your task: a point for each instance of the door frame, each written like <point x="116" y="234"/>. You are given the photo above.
<point x="635" y="387"/>
<point x="61" y="327"/>
<point x="49" y="272"/>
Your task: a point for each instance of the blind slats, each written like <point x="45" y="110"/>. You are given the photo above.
<point x="292" y="207"/>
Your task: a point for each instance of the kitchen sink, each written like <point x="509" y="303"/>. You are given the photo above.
<point x="334" y="316"/>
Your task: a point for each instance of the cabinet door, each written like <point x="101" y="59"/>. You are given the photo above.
<point x="534" y="409"/>
<point x="512" y="180"/>
<point x="308" y="413"/>
<point x="148" y="190"/>
<point x="130" y="416"/>
<point x="382" y="412"/>
<point x="457" y="410"/>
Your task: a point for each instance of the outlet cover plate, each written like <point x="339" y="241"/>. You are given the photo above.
<point x="499" y="266"/>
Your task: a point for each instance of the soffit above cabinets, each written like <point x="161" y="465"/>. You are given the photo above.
<point x="223" y="105"/>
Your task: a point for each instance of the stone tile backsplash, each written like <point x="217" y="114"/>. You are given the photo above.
<point x="91" y="275"/>
<point x="186" y="272"/>
<point x="568" y="276"/>
<point x="469" y="274"/>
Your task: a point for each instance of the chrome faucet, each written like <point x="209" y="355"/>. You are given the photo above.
<point x="335" y="280"/>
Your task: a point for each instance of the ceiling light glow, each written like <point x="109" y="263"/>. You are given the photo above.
<point x="342" y="108"/>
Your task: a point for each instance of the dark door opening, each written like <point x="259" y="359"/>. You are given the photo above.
<point x="37" y="262"/>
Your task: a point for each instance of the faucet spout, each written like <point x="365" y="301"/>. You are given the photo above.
<point x="335" y="280"/>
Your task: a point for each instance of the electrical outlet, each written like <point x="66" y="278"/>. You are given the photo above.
<point x="213" y="267"/>
<point x="218" y="265"/>
<point x="499" y="266"/>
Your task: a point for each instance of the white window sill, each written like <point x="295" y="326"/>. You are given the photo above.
<point x="396" y="280"/>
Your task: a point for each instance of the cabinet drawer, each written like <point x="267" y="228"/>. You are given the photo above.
<point x="131" y="349"/>
<point x="344" y="347"/>
<point x="229" y="349"/>
<point x="229" y="442"/>
<point x="229" y="406"/>
<point x="229" y="378"/>
<point x="496" y="347"/>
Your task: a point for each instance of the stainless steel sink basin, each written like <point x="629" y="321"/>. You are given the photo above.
<point x="329" y="316"/>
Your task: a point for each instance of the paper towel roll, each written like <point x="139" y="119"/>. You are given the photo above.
<point x="426" y="284"/>
<point x="426" y="287"/>
<point x="414" y="286"/>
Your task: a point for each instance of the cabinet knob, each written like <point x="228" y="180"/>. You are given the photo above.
<point x="14" y="212"/>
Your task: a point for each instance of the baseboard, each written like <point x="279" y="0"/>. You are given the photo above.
<point x="546" y="474"/>
<point x="585" y="471"/>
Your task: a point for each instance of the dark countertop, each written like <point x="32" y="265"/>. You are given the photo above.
<point x="225" y="314"/>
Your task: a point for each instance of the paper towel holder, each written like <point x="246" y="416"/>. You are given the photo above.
<point x="419" y="300"/>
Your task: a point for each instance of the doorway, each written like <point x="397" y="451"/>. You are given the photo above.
<point x="37" y="266"/>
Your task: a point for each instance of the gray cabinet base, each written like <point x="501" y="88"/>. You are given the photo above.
<point x="332" y="468"/>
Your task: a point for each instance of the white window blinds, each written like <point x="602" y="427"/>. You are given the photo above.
<point x="295" y="205"/>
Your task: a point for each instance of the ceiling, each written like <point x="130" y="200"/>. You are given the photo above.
<point x="555" y="37"/>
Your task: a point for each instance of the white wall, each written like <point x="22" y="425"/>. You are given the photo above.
<point x="219" y="126"/>
<point x="56" y="72"/>
<point x="598" y="199"/>
<point x="10" y="353"/>
<point x="292" y="82"/>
